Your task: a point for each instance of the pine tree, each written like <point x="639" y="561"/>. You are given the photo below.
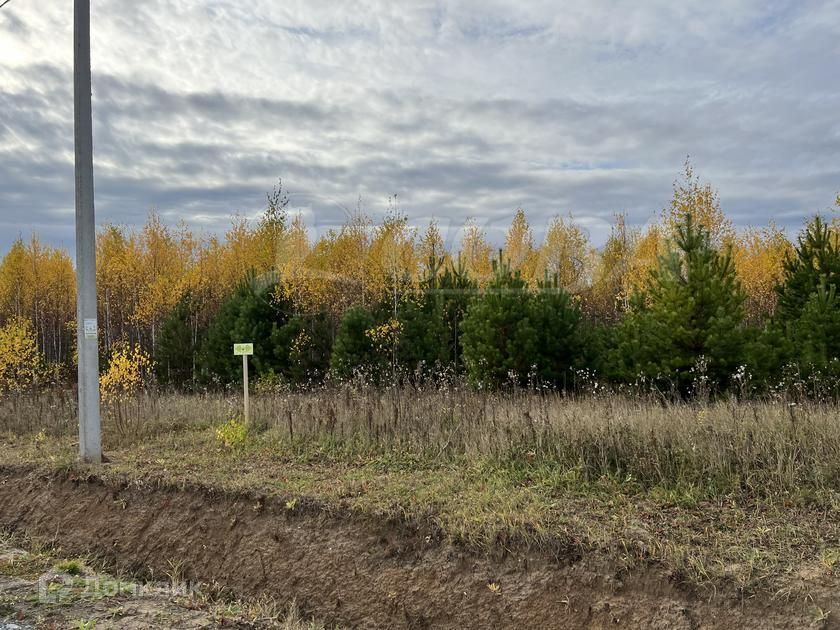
<point x="259" y="316"/>
<point x="302" y="348"/>
<point x="691" y="313"/>
<point x="556" y="321"/>
<point x="499" y="340"/>
<point x="176" y="346"/>
<point x="424" y="338"/>
<point x="815" y="261"/>
<point x="817" y="333"/>
<point x="802" y="332"/>
<point x="217" y="360"/>
<point x="456" y="289"/>
<point x="251" y="314"/>
<point x="354" y="348"/>
<point x="513" y="334"/>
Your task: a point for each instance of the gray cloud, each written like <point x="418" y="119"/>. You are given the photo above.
<point x="464" y="110"/>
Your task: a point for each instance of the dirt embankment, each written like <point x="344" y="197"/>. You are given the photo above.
<point x="360" y="572"/>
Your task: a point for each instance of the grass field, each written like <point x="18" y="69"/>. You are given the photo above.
<point x="733" y="495"/>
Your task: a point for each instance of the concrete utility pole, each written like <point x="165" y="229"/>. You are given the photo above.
<point x="90" y="444"/>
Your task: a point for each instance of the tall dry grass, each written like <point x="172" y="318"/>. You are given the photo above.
<point x="718" y="447"/>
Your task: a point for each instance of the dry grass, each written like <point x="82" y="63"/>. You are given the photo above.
<point x="752" y="449"/>
<point x="740" y="495"/>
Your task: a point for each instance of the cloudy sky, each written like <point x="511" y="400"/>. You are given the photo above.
<point x="463" y="109"/>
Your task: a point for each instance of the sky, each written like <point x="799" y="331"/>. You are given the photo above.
<point x="461" y="109"/>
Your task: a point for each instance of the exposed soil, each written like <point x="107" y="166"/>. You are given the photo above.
<point x="34" y="596"/>
<point x="361" y="572"/>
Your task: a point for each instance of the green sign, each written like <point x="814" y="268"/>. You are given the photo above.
<point x="240" y="349"/>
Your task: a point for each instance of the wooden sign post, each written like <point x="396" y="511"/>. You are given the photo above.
<point x="244" y="350"/>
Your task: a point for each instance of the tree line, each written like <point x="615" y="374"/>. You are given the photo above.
<point x="688" y="304"/>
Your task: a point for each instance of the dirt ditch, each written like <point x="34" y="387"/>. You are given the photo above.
<point x="360" y="572"/>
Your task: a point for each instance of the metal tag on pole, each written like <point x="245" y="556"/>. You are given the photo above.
<point x="90" y="441"/>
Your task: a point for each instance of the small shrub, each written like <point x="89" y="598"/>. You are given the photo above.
<point x="20" y="361"/>
<point x="232" y="434"/>
<point x="128" y="375"/>
<point x="129" y="368"/>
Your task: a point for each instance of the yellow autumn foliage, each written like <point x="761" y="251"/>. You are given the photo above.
<point x="759" y="261"/>
<point x="565" y="254"/>
<point x="386" y="335"/>
<point x="647" y="249"/>
<point x="233" y="434"/>
<point x="608" y="297"/>
<point x="519" y="250"/>
<point x="20" y="361"/>
<point x="392" y="263"/>
<point x="476" y="253"/>
<point x="128" y="372"/>
<point x="142" y="273"/>
<point x="38" y="283"/>
<point x="701" y="201"/>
